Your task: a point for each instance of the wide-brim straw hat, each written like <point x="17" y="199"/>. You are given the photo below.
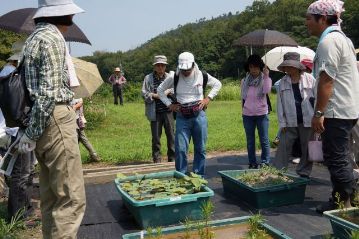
<point x="56" y="8"/>
<point x="291" y="59"/>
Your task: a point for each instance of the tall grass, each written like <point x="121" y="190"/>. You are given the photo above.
<point x="13" y="228"/>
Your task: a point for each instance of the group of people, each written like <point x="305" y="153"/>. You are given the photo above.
<point x="322" y="103"/>
<point x="181" y="92"/>
<point x="52" y="134"/>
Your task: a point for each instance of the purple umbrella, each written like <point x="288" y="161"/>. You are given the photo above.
<point x="265" y="38"/>
<point x="20" y="21"/>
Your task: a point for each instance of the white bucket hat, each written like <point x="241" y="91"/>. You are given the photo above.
<point x="185" y="61"/>
<point x="117" y="69"/>
<point x="56" y="8"/>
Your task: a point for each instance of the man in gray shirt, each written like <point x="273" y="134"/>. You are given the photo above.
<point x="337" y="88"/>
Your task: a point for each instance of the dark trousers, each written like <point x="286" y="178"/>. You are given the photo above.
<point x="21" y="185"/>
<point x="166" y="121"/>
<point x="336" y="156"/>
<point x="117" y="93"/>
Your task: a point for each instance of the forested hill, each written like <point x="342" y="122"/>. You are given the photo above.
<point x="211" y="41"/>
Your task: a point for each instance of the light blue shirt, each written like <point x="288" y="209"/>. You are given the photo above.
<point x="8" y="68"/>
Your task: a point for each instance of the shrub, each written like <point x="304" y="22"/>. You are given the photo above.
<point x="95" y="114"/>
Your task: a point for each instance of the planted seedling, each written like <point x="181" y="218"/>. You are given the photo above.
<point x="207" y="211"/>
<point x="188" y="224"/>
<point x="154" y="233"/>
<point x="266" y="176"/>
<point x="255" y="230"/>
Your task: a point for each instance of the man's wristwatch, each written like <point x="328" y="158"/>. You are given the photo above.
<point x="318" y="114"/>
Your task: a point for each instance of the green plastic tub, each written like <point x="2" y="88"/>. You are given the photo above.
<point x="218" y="223"/>
<point x="342" y="228"/>
<point x="165" y="211"/>
<point x="264" y="197"/>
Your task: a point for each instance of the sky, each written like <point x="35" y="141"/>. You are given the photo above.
<point x="121" y="25"/>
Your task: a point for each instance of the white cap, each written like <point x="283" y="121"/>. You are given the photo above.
<point x="185" y="61"/>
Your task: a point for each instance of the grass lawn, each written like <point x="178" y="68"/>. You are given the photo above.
<point x="125" y="137"/>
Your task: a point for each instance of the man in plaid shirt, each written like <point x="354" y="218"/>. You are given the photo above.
<point x="52" y="128"/>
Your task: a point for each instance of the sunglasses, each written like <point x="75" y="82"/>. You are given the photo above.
<point x="187" y="71"/>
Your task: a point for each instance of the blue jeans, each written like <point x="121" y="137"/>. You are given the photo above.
<point x="186" y="128"/>
<point x="262" y="123"/>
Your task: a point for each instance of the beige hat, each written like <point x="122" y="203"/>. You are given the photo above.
<point x="160" y="59"/>
<point x="291" y="59"/>
<point x="117" y="69"/>
<point x="56" y="8"/>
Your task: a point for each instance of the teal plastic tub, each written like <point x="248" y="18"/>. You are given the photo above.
<point x="164" y="211"/>
<point x="342" y="228"/>
<point x="218" y="223"/>
<point x="264" y="197"/>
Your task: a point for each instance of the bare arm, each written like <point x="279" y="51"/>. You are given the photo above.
<point x="324" y="92"/>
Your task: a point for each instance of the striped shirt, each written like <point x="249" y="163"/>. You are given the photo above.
<point x="160" y="107"/>
<point x="46" y="75"/>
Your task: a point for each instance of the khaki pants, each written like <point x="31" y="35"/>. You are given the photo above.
<point x="62" y="191"/>
<point x="284" y="151"/>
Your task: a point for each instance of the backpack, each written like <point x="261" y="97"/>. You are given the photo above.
<point x="15" y="102"/>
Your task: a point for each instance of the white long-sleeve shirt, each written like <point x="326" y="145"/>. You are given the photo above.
<point x="189" y="89"/>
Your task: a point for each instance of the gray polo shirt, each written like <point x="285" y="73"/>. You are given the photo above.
<point x="336" y="56"/>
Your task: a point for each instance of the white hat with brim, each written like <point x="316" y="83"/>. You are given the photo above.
<point x="185" y="61"/>
<point x="14" y="57"/>
<point x="56" y="8"/>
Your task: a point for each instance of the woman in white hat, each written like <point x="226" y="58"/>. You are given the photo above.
<point x="295" y="100"/>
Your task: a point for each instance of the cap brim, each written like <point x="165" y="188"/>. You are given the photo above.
<point x="185" y="66"/>
<point x="160" y="62"/>
<point x="56" y="11"/>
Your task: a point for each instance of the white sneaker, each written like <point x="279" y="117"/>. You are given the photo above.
<point x="296" y="160"/>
